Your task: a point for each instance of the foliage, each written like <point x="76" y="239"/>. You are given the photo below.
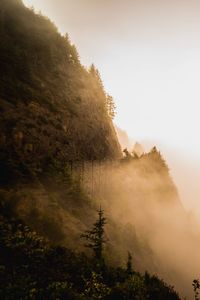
<point x="158" y="289"/>
<point x="129" y="267"/>
<point x="50" y="104"/>
<point x="196" y="287"/>
<point x="111" y="107"/>
<point x="95" y="289"/>
<point x="95" y="236"/>
<point x="132" y="288"/>
<point x="30" y="268"/>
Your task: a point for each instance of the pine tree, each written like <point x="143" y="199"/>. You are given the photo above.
<point x="111" y="107"/>
<point x="129" y="267"/>
<point x="96" y="74"/>
<point x="95" y="237"/>
<point x="127" y="154"/>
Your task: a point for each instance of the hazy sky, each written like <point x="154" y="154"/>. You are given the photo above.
<point x="148" y="53"/>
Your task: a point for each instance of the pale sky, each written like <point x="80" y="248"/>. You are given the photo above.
<point x="148" y="53"/>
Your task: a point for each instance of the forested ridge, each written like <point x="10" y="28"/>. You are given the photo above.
<point x="30" y="268"/>
<point x="50" y="104"/>
<point x="54" y="112"/>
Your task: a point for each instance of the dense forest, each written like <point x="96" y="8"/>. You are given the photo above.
<point x="50" y="104"/>
<point x="56" y="119"/>
<point x="30" y="268"/>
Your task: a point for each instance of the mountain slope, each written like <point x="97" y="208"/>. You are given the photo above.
<point x="59" y="154"/>
<point x="50" y="104"/>
<point x="30" y="268"/>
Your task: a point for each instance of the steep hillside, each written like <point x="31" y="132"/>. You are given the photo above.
<point x="146" y="217"/>
<point x="60" y="158"/>
<point x="30" y="268"/>
<point x="140" y="197"/>
<point x="52" y="109"/>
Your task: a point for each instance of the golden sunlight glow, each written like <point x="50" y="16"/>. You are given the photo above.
<point x="149" y="58"/>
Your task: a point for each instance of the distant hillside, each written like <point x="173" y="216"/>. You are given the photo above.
<point x="123" y="138"/>
<point x="52" y="109"/>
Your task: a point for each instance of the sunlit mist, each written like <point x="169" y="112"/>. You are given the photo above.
<point x="148" y="53"/>
<point x="100" y="149"/>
